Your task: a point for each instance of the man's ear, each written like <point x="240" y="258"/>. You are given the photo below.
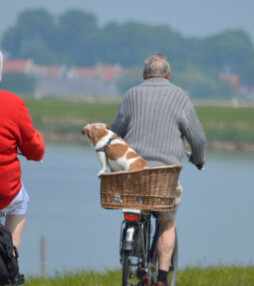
<point x="168" y="76"/>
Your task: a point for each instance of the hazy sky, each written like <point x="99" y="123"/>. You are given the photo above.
<point x="190" y="17"/>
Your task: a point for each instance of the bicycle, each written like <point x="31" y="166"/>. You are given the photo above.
<point x="138" y="250"/>
<point x="138" y="247"/>
<point x="140" y="195"/>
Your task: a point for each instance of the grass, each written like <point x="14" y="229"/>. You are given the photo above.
<point x="227" y="123"/>
<point x="65" y="117"/>
<point x="62" y="117"/>
<point x="217" y="276"/>
<point x="194" y="276"/>
<point x="110" y="278"/>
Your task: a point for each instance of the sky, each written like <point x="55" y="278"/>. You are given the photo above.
<point x="198" y="18"/>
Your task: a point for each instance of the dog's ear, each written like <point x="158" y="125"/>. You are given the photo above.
<point x="87" y="130"/>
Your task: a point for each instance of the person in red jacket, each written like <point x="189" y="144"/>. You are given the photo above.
<point x="16" y="132"/>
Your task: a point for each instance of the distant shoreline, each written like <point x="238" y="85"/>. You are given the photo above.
<point x="227" y="126"/>
<point x="230" y="146"/>
<point x="77" y="139"/>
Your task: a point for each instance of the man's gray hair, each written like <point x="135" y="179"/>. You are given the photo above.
<point x="156" y="66"/>
<point x="1" y="64"/>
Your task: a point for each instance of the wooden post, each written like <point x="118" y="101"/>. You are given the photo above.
<point x="43" y="257"/>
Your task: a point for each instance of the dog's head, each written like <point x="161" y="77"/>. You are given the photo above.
<point x="95" y="131"/>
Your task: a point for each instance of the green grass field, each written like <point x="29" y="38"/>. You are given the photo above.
<point x="214" y="276"/>
<point x="228" y="123"/>
<point x="61" y="117"/>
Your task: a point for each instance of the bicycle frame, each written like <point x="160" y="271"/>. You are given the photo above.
<point x="136" y="230"/>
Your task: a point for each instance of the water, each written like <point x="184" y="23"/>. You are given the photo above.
<point x="214" y="222"/>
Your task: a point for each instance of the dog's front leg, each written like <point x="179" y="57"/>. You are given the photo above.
<point x="103" y="159"/>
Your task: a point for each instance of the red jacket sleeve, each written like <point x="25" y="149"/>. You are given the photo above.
<point x="30" y="141"/>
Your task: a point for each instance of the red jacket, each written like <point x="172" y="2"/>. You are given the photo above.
<point x="16" y="130"/>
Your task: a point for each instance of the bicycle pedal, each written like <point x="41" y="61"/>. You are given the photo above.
<point x="147" y="281"/>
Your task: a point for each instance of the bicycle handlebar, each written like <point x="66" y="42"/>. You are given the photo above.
<point x="200" y="167"/>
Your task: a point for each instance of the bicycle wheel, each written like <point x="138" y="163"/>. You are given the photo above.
<point x="174" y="264"/>
<point x="126" y="269"/>
<point x="128" y="277"/>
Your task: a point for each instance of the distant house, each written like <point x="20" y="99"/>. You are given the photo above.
<point x="243" y="90"/>
<point x="79" y="72"/>
<point x="231" y="78"/>
<point x="103" y="73"/>
<point x="78" y="88"/>
<point x="28" y="67"/>
<point x="79" y="82"/>
<point x="49" y="71"/>
<point x="109" y="73"/>
<point x="20" y="66"/>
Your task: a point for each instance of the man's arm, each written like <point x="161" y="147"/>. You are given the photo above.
<point x="120" y="122"/>
<point x="192" y="130"/>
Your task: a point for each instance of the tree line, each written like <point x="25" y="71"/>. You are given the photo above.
<point x="75" y="38"/>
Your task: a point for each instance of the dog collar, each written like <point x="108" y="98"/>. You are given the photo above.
<point x="104" y="148"/>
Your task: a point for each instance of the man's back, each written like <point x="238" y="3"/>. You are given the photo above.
<point x="154" y="117"/>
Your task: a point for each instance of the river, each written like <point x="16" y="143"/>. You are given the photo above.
<point x="214" y="222"/>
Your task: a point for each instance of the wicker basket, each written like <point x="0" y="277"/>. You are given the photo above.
<point x="151" y="189"/>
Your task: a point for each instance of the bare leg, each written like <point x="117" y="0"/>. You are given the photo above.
<point x="165" y="244"/>
<point x="16" y="224"/>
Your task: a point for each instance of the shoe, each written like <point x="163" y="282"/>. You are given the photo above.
<point x="21" y="279"/>
<point x="144" y="277"/>
<point x="159" y="283"/>
<point x="147" y="281"/>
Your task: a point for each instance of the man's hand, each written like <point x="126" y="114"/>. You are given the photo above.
<point x="200" y="166"/>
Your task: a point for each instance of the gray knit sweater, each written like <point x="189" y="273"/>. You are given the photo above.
<point x="155" y="118"/>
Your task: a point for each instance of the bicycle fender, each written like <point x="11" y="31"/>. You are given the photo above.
<point x="129" y="239"/>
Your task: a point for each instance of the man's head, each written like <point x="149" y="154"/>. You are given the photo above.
<point x="1" y="65"/>
<point x="157" y="66"/>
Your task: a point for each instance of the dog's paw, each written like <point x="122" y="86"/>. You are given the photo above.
<point x="101" y="172"/>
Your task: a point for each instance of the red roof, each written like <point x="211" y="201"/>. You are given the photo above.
<point x="232" y="78"/>
<point x="17" y="65"/>
<point x="110" y="73"/>
<point x="105" y="73"/>
<point x="83" y="72"/>
<point x="48" y="71"/>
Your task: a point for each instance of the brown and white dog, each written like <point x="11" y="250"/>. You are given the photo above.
<point x="112" y="150"/>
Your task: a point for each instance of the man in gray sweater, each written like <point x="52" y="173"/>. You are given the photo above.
<point x="155" y="118"/>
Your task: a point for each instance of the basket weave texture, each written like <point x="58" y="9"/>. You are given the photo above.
<point x="152" y="189"/>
